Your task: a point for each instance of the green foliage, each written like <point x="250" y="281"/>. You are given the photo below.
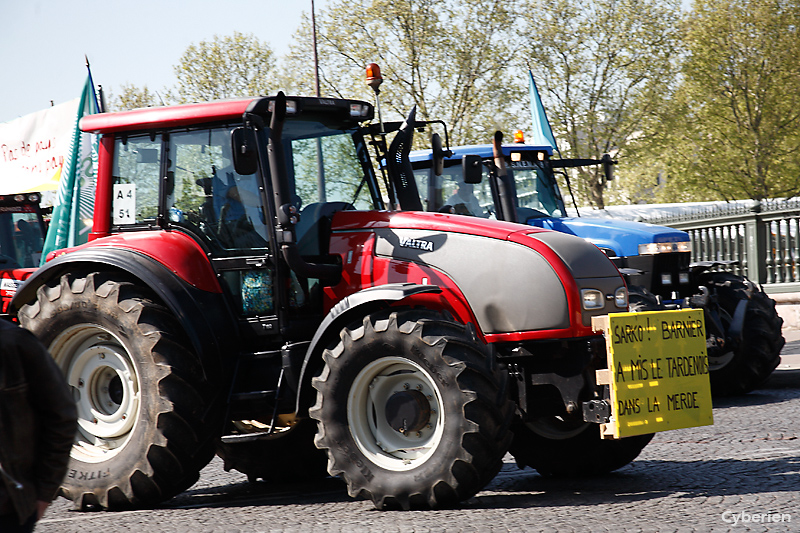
<point x="736" y="117"/>
<point x="695" y="106"/>
<point x="604" y="68"/>
<point x="226" y="67"/>
<point x="133" y="97"/>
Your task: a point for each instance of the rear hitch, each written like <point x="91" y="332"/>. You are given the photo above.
<point x="597" y="411"/>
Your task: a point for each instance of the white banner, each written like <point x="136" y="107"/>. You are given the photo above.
<point x="33" y="148"/>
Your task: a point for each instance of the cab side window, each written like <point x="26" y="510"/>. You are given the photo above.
<point x="137" y="161"/>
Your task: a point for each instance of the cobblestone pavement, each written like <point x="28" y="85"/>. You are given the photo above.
<point x="746" y="467"/>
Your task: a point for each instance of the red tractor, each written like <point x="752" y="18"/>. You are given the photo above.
<point x="22" y="231"/>
<point x="247" y="290"/>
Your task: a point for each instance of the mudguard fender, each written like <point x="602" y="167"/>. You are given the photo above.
<point x="360" y="303"/>
<point x="199" y="312"/>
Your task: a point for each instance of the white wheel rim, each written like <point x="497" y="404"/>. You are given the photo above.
<point x="366" y="408"/>
<point x="105" y="385"/>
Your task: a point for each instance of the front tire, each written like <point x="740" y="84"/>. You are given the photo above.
<point x="741" y="369"/>
<point x="412" y="410"/>
<point x="145" y="423"/>
<point x="565" y="447"/>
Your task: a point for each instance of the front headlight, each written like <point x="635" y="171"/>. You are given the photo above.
<point x="291" y="107"/>
<point x="652" y="248"/>
<point x="592" y="299"/>
<point x="621" y="298"/>
<point x="359" y="110"/>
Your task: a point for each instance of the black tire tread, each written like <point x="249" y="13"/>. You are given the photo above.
<point x="759" y="353"/>
<point x="583" y="455"/>
<point x="185" y="426"/>
<point x="488" y="411"/>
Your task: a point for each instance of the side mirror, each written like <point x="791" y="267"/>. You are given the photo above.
<point x="608" y="166"/>
<point x="243" y="148"/>
<point x="438" y="154"/>
<point x="471" y="168"/>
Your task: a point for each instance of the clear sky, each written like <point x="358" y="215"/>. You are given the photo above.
<point x="43" y="42"/>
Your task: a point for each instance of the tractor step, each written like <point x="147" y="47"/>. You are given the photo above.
<point x="238" y="438"/>
<point x="252" y="395"/>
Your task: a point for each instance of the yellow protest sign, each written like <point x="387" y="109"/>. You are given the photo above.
<point x="657" y="371"/>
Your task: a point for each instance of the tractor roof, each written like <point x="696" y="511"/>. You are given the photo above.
<point x="149" y="118"/>
<point x="167" y="116"/>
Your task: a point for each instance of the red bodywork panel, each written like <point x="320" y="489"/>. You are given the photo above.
<point x="362" y="269"/>
<point x="164" y="117"/>
<point x="175" y="250"/>
<point x="10" y="280"/>
<point x="101" y="220"/>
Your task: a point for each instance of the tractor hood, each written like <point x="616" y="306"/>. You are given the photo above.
<point x="442" y="222"/>
<point x="622" y="237"/>
<point x="584" y="260"/>
<point x="515" y="278"/>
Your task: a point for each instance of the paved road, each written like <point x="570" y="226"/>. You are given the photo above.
<point x="745" y="467"/>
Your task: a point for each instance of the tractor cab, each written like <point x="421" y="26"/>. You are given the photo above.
<point x="22" y="232"/>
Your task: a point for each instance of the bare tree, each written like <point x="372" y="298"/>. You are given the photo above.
<point x="604" y="69"/>
<point x="454" y="60"/>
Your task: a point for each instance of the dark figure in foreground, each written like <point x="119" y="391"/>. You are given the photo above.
<point x="37" y="426"/>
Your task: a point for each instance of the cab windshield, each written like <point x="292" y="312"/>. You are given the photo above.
<point x="21" y="237"/>
<point x="323" y="165"/>
<point x="536" y="192"/>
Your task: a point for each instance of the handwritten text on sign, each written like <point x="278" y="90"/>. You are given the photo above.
<point x="658" y="371"/>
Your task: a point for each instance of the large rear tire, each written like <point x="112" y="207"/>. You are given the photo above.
<point x="145" y="423"/>
<point x="743" y="368"/>
<point x="412" y="410"/>
<point x="564" y="447"/>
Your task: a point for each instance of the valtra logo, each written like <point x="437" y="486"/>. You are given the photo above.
<point x="417" y="244"/>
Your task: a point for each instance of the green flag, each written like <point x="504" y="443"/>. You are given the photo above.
<point x="71" y="221"/>
<point x="542" y="134"/>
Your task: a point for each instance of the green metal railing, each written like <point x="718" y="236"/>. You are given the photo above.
<point x="764" y="239"/>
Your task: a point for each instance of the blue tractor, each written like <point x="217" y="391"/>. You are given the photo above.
<point x="517" y="182"/>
